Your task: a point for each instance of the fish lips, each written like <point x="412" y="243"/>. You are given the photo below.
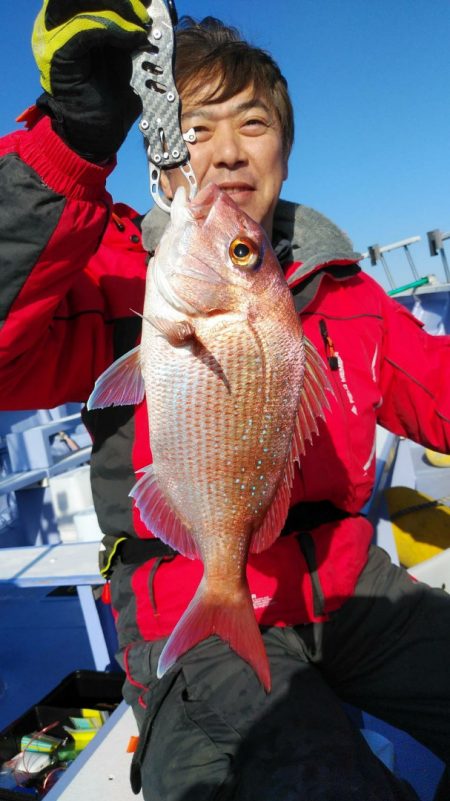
<point x="210" y="201"/>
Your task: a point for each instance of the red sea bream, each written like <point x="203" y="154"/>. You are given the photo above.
<point x="233" y="391"/>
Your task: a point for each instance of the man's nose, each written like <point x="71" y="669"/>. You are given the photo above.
<point x="228" y="149"/>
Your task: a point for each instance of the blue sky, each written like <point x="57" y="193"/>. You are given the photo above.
<point x="369" y="81"/>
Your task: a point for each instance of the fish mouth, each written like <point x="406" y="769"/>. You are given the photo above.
<point x="211" y="197"/>
<point x="184" y="270"/>
<point x="184" y="211"/>
<point x="186" y="217"/>
<point x="201" y="205"/>
<point x="199" y="208"/>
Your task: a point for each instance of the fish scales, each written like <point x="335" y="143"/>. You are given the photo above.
<point x="220" y="455"/>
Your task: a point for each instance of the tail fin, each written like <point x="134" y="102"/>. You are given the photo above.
<point x="233" y="621"/>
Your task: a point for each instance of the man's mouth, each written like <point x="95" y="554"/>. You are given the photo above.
<point x="236" y="188"/>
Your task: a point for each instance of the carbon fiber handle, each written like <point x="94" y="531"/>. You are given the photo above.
<point x="152" y="79"/>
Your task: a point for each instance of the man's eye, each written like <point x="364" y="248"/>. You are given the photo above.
<point x="202" y="132"/>
<point x="255" y="124"/>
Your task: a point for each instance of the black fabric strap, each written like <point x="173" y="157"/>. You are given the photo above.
<point x="308" y="550"/>
<point x="304" y="516"/>
<point x="308" y="515"/>
<point x="133" y="551"/>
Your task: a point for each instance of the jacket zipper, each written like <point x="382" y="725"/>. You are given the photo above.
<point x="329" y="346"/>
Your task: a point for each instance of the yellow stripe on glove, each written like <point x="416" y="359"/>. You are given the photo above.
<point x="45" y="43"/>
<point x="83" y="50"/>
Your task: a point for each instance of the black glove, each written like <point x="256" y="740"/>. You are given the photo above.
<point x="83" y="51"/>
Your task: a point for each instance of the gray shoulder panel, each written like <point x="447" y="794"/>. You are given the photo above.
<point x="315" y="239"/>
<point x="29" y="214"/>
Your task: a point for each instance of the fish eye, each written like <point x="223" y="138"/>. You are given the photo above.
<point x="245" y="253"/>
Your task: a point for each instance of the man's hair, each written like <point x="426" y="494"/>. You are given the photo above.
<point x="209" y="51"/>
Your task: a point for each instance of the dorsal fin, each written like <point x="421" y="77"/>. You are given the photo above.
<point x="159" y="517"/>
<point x="313" y="399"/>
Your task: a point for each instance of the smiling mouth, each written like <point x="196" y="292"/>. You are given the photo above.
<point x="235" y="189"/>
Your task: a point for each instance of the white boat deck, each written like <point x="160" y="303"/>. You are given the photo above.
<point x="102" y="769"/>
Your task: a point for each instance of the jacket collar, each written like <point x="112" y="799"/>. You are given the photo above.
<point x="309" y="238"/>
<point x="301" y="234"/>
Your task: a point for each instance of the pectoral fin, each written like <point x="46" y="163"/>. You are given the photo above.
<point x="121" y="384"/>
<point x="176" y="332"/>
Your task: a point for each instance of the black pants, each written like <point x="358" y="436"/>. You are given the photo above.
<point x="211" y="732"/>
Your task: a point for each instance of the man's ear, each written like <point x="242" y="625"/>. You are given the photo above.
<point x="285" y="170"/>
<point x="165" y="185"/>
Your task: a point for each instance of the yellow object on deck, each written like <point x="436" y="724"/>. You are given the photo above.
<point x="437" y="459"/>
<point x="420" y="524"/>
<point x="81" y="737"/>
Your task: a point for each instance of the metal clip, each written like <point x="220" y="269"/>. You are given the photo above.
<point x="152" y="79"/>
<point x="155" y="179"/>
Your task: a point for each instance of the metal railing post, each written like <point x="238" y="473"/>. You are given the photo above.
<point x="436" y="244"/>
<point x="376" y="253"/>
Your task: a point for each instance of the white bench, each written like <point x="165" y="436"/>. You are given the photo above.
<point x="57" y="566"/>
<point x="102" y="770"/>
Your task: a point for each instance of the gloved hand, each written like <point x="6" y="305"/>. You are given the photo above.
<point x="83" y="51"/>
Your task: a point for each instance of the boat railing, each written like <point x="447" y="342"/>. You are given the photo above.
<point x="377" y="254"/>
<point x="44" y="457"/>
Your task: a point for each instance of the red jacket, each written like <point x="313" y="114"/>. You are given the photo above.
<point x="73" y="270"/>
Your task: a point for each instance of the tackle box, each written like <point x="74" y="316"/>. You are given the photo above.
<point x="82" y="689"/>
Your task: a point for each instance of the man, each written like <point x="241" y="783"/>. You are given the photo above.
<point x="339" y="621"/>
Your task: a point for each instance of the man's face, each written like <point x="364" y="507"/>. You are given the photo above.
<point x="239" y="148"/>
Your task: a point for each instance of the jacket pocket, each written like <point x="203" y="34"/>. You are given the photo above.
<point x="215" y="729"/>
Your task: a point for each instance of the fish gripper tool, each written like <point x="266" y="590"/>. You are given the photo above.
<point x="152" y="79"/>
